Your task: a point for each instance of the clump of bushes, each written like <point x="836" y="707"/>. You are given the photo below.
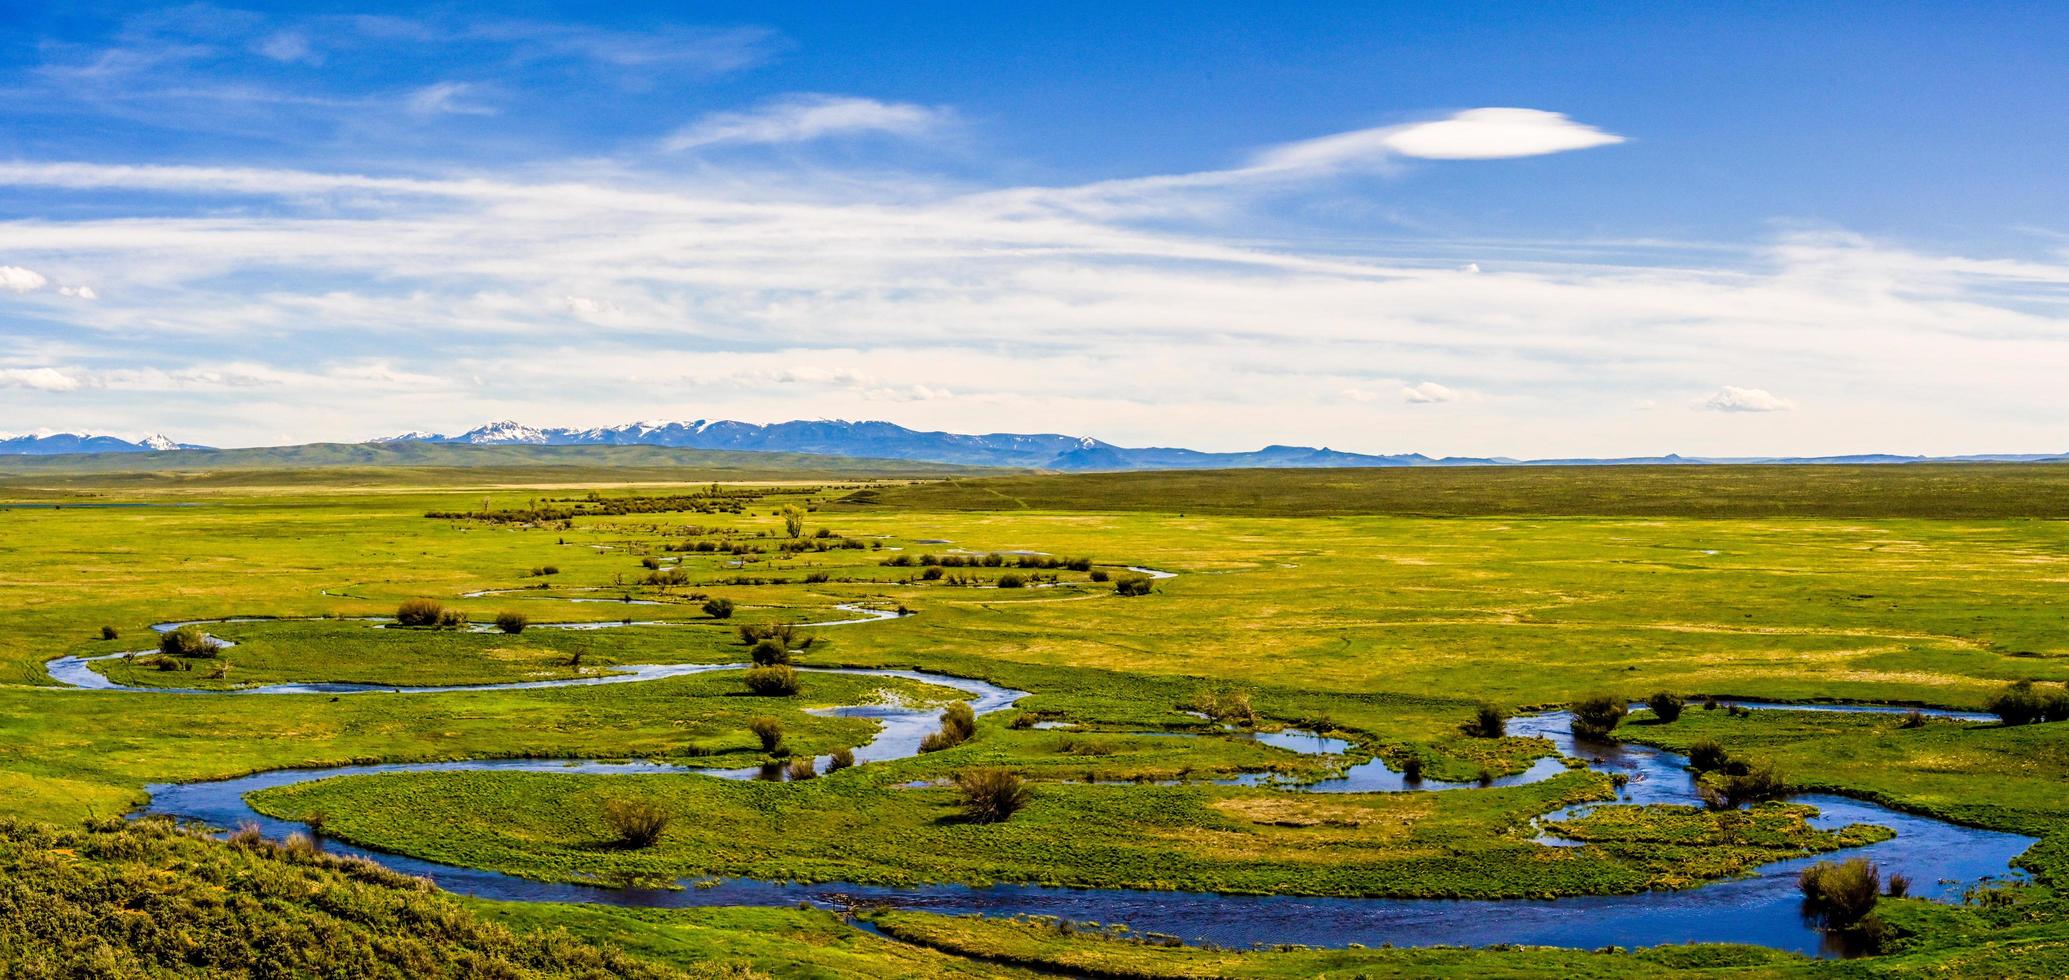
<point x="1740" y="783"/>
<point x="768" y="653"/>
<point x="512" y="622"/>
<point x="769" y="731"/>
<point x="1841" y="894"/>
<point x="1489" y="721"/>
<point x="636" y="822"/>
<point x="991" y="795"/>
<point x="718" y="608"/>
<point x="544" y="570"/>
<point x="2023" y="704"/>
<point x="429" y="613"/>
<point x="783" y="633"/>
<point x="842" y="758"/>
<point x="1011" y="581"/>
<point x="803" y="767"/>
<point x="958" y="723"/>
<point x="1099" y="575"/>
<point x="1596" y="715"/>
<point x="1224" y="704"/>
<point x="1913" y="718"/>
<point x="1666" y="706"/>
<point x="1132" y="585"/>
<point x="1708" y="755"/>
<point x="775" y="681"/>
<point x="188" y="641"/>
<point x="110" y="633"/>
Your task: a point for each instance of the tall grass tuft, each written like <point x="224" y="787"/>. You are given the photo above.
<point x="636" y="822"/>
<point x="991" y="795"/>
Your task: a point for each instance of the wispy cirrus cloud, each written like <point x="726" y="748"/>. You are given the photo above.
<point x="807" y="117"/>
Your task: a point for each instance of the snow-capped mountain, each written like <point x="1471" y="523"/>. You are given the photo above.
<point x="885" y="440"/>
<point x="79" y="442"/>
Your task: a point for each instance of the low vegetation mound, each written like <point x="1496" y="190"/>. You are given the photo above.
<point x="144" y="898"/>
<point x="991" y="795"/>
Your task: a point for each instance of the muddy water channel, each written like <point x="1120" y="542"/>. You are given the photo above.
<point x="1942" y="859"/>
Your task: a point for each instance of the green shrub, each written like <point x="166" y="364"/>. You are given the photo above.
<point x="991" y="795"/>
<point x="1752" y="784"/>
<point x="1132" y="585"/>
<point x="769" y="730"/>
<point x="1666" y="707"/>
<point x="958" y="723"/>
<point x="767" y="653"/>
<point x="636" y="822"/>
<point x="188" y="641"/>
<point x="803" y="767"/>
<point x="1840" y="894"/>
<point x="1099" y="575"/>
<point x="451" y="619"/>
<point x="1489" y="721"/>
<point x="842" y="758"/>
<point x="1011" y="581"/>
<point x="1707" y="755"/>
<point x="511" y="622"/>
<point x="1226" y="704"/>
<point x="1596" y="715"/>
<point x="718" y="608"/>
<point x="420" y="612"/>
<point x="778" y="681"/>
<point x="110" y="633"/>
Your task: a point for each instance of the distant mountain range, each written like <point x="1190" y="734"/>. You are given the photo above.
<point x="65" y="443"/>
<point x="888" y="441"/>
<point x="885" y="440"/>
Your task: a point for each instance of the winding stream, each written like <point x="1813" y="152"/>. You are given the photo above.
<point x="1942" y="859"/>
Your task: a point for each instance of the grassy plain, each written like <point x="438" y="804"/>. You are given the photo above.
<point x="1379" y="605"/>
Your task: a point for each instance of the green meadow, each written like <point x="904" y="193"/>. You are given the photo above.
<point x="1379" y="606"/>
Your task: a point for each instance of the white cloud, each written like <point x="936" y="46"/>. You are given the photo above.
<point x="1491" y="134"/>
<point x="78" y="292"/>
<point x="447" y="98"/>
<point x="802" y="118"/>
<point x="287" y="47"/>
<point x="826" y="297"/>
<point x="1733" y="399"/>
<point x="38" y="379"/>
<point x="16" y="279"/>
<point x="1427" y="393"/>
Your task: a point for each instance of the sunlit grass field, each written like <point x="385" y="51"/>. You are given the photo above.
<point x="1363" y="603"/>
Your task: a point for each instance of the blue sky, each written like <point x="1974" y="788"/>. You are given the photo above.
<point x="1520" y="229"/>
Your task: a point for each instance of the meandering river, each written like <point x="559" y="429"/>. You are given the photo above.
<point x="1942" y="859"/>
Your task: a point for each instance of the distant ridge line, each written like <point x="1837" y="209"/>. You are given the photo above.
<point x="1040" y="451"/>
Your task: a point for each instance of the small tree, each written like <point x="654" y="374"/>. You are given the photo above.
<point x="1489" y="721"/>
<point x="636" y="822"/>
<point x="718" y="608"/>
<point x="1666" y="707"/>
<point x="769" y="730"/>
<point x="419" y="612"/>
<point x="511" y="622"/>
<point x="990" y="795"/>
<point x="1596" y="715"/>
<point x="793" y="520"/>
<point x="778" y="681"/>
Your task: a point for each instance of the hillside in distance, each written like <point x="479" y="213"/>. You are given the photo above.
<point x="389" y="464"/>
